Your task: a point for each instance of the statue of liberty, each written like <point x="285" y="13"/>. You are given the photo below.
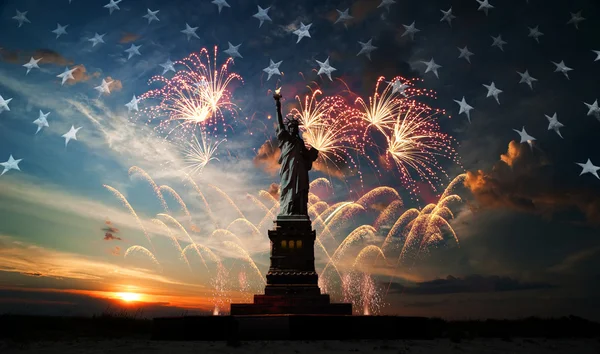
<point x="296" y="160"/>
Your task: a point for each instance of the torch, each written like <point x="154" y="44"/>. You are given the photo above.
<point x="277" y="96"/>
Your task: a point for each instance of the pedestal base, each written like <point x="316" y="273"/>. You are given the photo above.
<point x="291" y="305"/>
<point x="295" y="327"/>
<point x="292" y="284"/>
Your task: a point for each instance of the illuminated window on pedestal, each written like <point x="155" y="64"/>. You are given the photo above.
<point x="284" y="244"/>
<point x="291" y="244"/>
<point x="299" y="244"/>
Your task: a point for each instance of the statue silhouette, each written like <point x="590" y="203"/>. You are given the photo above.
<point x="296" y="160"/>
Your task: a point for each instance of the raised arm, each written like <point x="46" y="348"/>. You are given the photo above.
<point x="277" y="97"/>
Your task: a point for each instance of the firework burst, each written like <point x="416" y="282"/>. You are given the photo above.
<point x="382" y="108"/>
<point x="329" y="125"/>
<point x="198" y="95"/>
<point x="416" y="142"/>
<point x="313" y="111"/>
<point x="200" y="152"/>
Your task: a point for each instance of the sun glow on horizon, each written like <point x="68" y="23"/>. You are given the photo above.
<point x="128" y="296"/>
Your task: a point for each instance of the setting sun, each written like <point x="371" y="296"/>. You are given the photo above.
<point x="129" y="297"/>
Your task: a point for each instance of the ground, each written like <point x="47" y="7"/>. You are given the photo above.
<point x="441" y="346"/>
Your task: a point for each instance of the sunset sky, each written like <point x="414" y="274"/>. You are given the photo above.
<point x="527" y="223"/>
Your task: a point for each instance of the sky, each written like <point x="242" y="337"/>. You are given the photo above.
<point x="117" y="218"/>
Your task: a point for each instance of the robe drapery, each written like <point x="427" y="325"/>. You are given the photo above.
<point x="296" y="160"/>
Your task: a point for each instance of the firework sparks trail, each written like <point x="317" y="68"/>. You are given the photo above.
<point x="359" y="289"/>
<point x="313" y="198"/>
<point x="228" y="199"/>
<point x="197" y="189"/>
<point x="264" y="194"/>
<point x="244" y="286"/>
<point x="355" y="236"/>
<point x="362" y="255"/>
<point x="123" y="200"/>
<point x="315" y="211"/>
<point x="370" y="294"/>
<point x="441" y="208"/>
<point x="369" y="198"/>
<point x="458" y="180"/>
<point x="138" y="170"/>
<point x="228" y="233"/>
<point x="260" y="204"/>
<point x="417" y="230"/>
<point x="319" y="224"/>
<point x="174" y="221"/>
<point x="425" y="228"/>
<point x="329" y="258"/>
<point x="144" y="251"/>
<point x="317" y="208"/>
<point x="219" y="283"/>
<point x="320" y="182"/>
<point x="245" y="256"/>
<point x="436" y="221"/>
<point x="333" y="210"/>
<point x="196" y="96"/>
<point x="174" y="240"/>
<point x="197" y="246"/>
<point x="424" y="225"/>
<point x="345" y="213"/>
<point x="246" y="223"/>
<point x="180" y="201"/>
<point x="267" y="217"/>
<point x="389" y="214"/>
<point x="400" y="224"/>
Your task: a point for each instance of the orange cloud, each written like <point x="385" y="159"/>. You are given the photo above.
<point x="521" y="180"/>
<point x="128" y="38"/>
<point x="268" y="156"/>
<point x="51" y="57"/>
<point x="48" y="56"/>
<point x="10" y="56"/>
<point x="115" y="85"/>
<point x="81" y="75"/>
<point x="274" y="190"/>
<point x="340" y="171"/>
<point x="512" y="154"/>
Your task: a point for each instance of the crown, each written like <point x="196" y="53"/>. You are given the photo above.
<point x="292" y="121"/>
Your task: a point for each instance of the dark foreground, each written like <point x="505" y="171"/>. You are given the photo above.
<point x="332" y="327"/>
<point x="331" y="334"/>
<point x="228" y="328"/>
<point x="435" y="346"/>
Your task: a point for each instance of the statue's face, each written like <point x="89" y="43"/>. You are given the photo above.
<point x="293" y="129"/>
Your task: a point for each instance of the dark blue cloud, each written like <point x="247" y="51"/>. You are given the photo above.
<point x="468" y="284"/>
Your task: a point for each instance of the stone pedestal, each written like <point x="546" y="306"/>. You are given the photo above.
<point x="292" y="283"/>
